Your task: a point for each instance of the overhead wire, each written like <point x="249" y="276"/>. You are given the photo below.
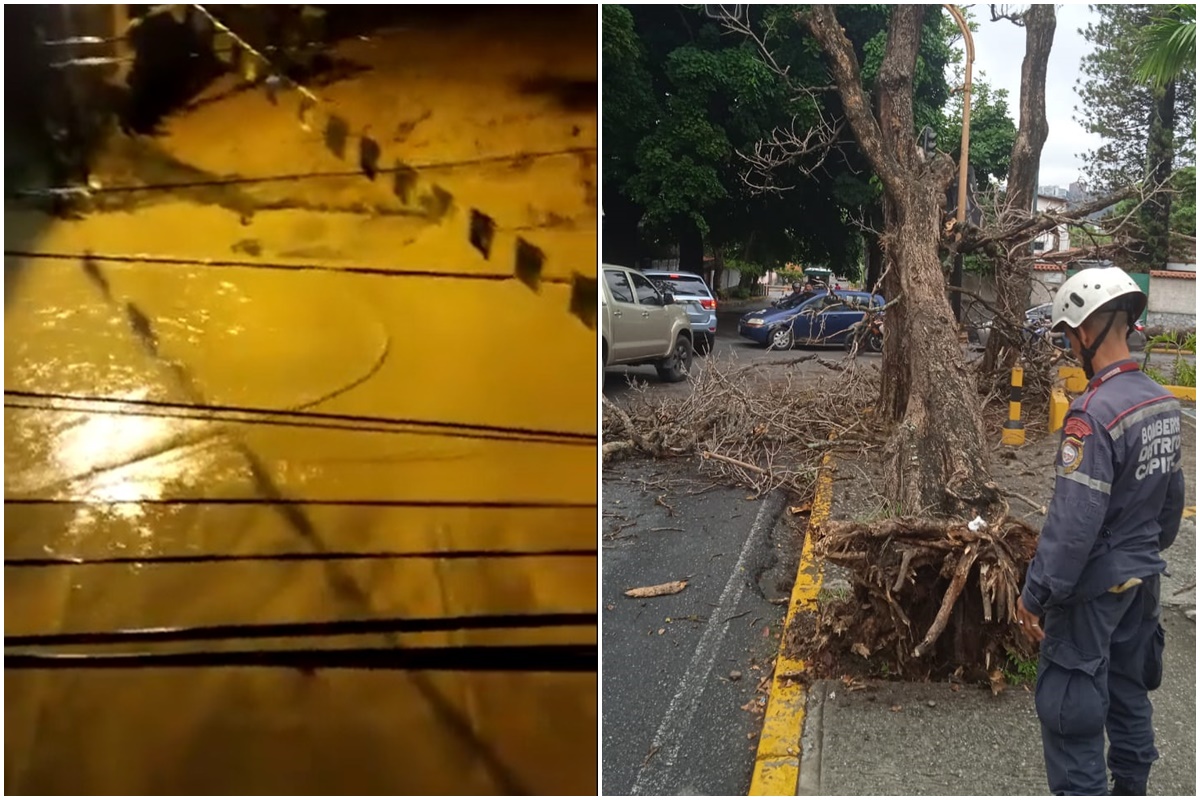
<point x="433" y="166"/>
<point x="314" y="418"/>
<point x="341" y="555"/>
<point x="292" y="630"/>
<point x="465" y="658"/>
<point x="299" y="501"/>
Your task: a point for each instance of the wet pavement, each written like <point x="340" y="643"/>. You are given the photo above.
<point x="158" y="408"/>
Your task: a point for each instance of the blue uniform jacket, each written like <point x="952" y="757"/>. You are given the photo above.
<point x="1118" y="496"/>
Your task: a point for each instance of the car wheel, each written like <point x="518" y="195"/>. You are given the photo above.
<point x="704" y="345"/>
<point x="675" y="367"/>
<point x="782" y="338"/>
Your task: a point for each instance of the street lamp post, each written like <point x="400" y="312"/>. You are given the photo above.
<point x="956" y="275"/>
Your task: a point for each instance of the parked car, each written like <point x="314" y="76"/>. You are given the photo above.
<point x="1037" y="323"/>
<point x="639" y="324"/>
<point x="691" y="292"/>
<point x="819" y="318"/>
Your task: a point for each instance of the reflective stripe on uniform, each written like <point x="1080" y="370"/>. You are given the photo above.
<point x="1084" y="480"/>
<point x="1158" y="406"/>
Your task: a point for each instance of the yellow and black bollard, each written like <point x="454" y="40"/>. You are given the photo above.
<point x="1013" y="434"/>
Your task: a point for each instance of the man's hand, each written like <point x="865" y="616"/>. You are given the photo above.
<point x="1030" y="625"/>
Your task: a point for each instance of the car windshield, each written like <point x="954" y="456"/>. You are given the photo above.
<point x="681" y="285"/>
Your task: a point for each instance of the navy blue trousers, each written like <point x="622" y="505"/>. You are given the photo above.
<point x="1099" y="661"/>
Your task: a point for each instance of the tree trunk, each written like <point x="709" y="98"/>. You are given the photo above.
<point x="1013" y="282"/>
<point x="894" y="382"/>
<point x="938" y="451"/>
<point x="620" y="240"/>
<point x="718" y="270"/>
<point x="1160" y="152"/>
<point x="691" y="249"/>
<point x="874" y="258"/>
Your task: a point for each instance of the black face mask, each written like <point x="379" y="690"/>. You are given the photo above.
<point x="1086" y="353"/>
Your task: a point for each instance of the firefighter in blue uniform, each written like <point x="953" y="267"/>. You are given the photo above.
<point x="1091" y="595"/>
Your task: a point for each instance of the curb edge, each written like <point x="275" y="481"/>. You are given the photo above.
<point x="777" y="760"/>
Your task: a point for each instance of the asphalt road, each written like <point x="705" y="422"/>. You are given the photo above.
<point x="679" y="669"/>
<point x="729" y="348"/>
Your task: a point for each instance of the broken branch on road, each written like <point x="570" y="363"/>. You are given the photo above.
<point x="748" y="430"/>
<point x="641" y="592"/>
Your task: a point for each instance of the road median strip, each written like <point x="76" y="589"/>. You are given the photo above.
<point x="777" y="762"/>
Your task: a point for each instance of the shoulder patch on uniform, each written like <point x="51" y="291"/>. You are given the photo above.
<point x="1070" y="455"/>
<point x="1077" y="427"/>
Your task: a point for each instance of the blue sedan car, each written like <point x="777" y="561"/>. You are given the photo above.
<point x="816" y="318"/>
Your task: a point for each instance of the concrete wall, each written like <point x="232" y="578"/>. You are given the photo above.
<point x="1172" y="301"/>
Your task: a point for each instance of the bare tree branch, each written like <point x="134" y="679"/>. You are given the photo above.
<point x="843" y="64"/>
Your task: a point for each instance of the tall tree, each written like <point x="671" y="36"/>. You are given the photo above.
<point x="938" y="455"/>
<point x="1168" y="46"/>
<point x="630" y="111"/>
<point x="1148" y="127"/>
<point x="1014" y="268"/>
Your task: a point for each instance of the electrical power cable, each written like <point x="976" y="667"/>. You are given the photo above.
<point x="398" y="424"/>
<point x="342" y="555"/>
<point x="290" y="630"/>
<point x="293" y="501"/>
<point x="288" y="177"/>
<point x="466" y="658"/>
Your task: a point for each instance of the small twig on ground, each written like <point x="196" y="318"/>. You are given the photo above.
<point x="659" y="501"/>
<point x="1041" y="509"/>
<point x="734" y="461"/>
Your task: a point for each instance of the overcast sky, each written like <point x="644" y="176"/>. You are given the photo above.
<point x="999" y="49"/>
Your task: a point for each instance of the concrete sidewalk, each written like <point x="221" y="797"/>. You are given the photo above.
<point x="899" y="738"/>
<point x="927" y="739"/>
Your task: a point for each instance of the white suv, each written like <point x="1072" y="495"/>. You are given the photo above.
<point x="641" y="325"/>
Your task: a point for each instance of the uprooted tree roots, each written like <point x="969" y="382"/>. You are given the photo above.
<point x="751" y="430"/>
<point x="929" y="598"/>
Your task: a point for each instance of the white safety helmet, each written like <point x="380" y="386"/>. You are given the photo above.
<point x="1089" y="290"/>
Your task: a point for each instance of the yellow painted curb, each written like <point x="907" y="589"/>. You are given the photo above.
<point x="777" y="762"/>
<point x="1183" y="392"/>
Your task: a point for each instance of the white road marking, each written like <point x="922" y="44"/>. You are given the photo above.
<point x="654" y="776"/>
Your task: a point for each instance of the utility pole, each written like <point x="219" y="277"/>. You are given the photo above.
<point x="957" y="274"/>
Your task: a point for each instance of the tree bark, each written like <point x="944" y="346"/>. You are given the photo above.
<point x="938" y="454"/>
<point x="718" y="270"/>
<point x="691" y="249"/>
<point x="1013" y="282"/>
<point x="1160" y="155"/>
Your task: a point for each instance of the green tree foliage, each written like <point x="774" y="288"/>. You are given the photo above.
<point x="1168" y="46"/>
<point x="683" y="99"/>
<point x="1148" y="127"/>
<point x="630" y="108"/>
<point x="992" y="131"/>
<point x="1119" y="107"/>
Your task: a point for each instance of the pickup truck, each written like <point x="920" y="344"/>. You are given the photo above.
<point x="641" y="325"/>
